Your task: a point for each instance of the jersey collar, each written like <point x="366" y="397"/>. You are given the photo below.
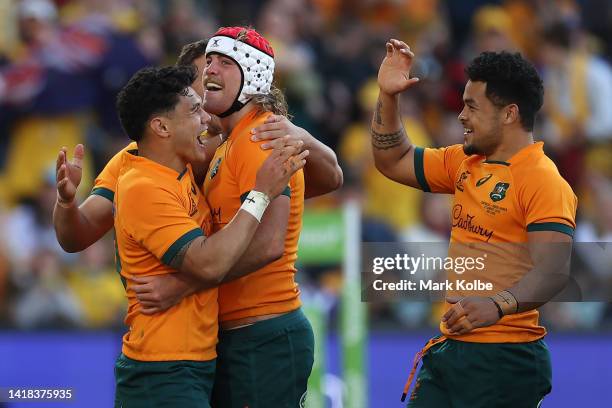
<point x="524" y="153"/>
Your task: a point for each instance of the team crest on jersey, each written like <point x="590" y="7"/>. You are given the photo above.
<point x="215" y="168"/>
<point x="499" y="191"/>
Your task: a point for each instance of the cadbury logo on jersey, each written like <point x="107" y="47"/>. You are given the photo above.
<point x="499" y="191"/>
<point x="468" y="222"/>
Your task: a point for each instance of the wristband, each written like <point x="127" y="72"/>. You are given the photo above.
<point x="255" y="204"/>
<point x="506" y="301"/>
<point x="500" y="312"/>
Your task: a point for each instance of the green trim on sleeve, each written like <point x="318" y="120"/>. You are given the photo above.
<point x="419" y="168"/>
<point x="180" y="243"/>
<point x="551" y="226"/>
<point x="104" y="192"/>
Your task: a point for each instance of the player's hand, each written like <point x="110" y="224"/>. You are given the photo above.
<point x="160" y="292"/>
<point x="394" y="71"/>
<point x="275" y="172"/>
<point x="277" y="126"/>
<point x="469" y="313"/>
<point x="68" y="174"/>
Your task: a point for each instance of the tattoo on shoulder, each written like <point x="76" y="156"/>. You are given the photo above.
<point x="177" y="261"/>
<point x="377" y="114"/>
<point x="384" y="141"/>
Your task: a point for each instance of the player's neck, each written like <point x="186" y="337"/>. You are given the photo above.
<point x="229" y="123"/>
<point x="511" y="145"/>
<point x="161" y="154"/>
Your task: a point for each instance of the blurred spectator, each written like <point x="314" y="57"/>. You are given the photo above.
<point x="48" y="302"/>
<point x="428" y="237"/>
<point x="493" y="30"/>
<point x="294" y="72"/>
<point x="358" y="163"/>
<point x="578" y="101"/>
<point x="97" y="287"/>
<point x="28" y="229"/>
<point x="431" y="226"/>
<point x="64" y="75"/>
<point x="596" y="226"/>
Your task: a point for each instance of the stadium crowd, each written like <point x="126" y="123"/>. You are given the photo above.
<point x="62" y="63"/>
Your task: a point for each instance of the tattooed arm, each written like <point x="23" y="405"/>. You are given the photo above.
<point x="393" y="151"/>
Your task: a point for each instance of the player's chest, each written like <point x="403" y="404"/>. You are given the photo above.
<point x="221" y="190"/>
<point x="484" y="205"/>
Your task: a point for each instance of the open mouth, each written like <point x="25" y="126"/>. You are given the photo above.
<point x="200" y="138"/>
<point x="213" y="87"/>
<point x="467" y="131"/>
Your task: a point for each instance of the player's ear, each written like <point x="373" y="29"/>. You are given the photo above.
<point x="160" y="127"/>
<point x="511" y="114"/>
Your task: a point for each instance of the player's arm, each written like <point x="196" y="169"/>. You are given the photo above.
<point x="393" y="152"/>
<point x="550" y="253"/>
<point x="269" y="242"/>
<point x="322" y="174"/>
<point x="160" y="292"/>
<point x="77" y="227"/>
<point x="210" y="259"/>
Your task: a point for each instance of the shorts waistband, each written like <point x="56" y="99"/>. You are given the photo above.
<point x="265" y="326"/>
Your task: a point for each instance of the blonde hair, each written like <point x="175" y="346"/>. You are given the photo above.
<point x="274" y="102"/>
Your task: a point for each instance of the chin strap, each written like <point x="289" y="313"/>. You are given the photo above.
<point x="236" y="106"/>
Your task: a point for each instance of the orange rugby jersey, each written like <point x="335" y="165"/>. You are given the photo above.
<point x="106" y="182"/>
<point x="495" y="205"/>
<point x="157" y="211"/>
<point x="271" y="289"/>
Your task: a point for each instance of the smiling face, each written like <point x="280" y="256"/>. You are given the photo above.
<point x="222" y="80"/>
<point x="209" y="139"/>
<point x="481" y="120"/>
<point x="186" y="123"/>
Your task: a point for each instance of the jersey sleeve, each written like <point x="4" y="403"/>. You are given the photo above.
<point x="550" y="205"/>
<point x="436" y="169"/>
<point x="106" y="182"/>
<point x="158" y="220"/>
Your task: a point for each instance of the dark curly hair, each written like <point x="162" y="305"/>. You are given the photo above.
<point x="151" y="91"/>
<point x="510" y="79"/>
<point x="192" y="51"/>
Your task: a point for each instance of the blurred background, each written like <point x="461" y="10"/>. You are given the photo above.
<point x="62" y="63"/>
